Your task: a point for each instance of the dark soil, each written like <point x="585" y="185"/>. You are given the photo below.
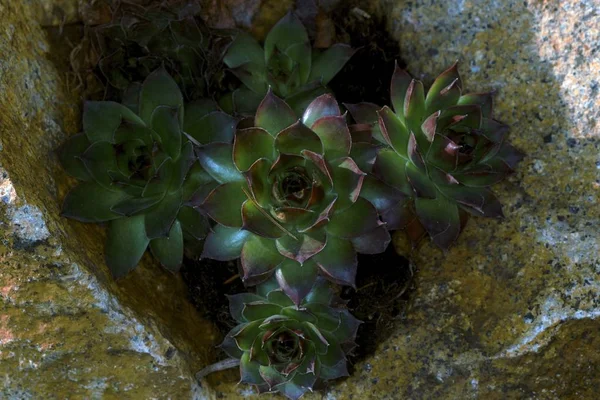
<point x="366" y="77"/>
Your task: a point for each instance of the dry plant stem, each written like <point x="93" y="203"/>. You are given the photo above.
<point x="218" y="366"/>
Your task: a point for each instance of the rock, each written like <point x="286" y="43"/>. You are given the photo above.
<point x="67" y="330"/>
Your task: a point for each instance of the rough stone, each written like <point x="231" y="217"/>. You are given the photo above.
<point x="67" y="330"/>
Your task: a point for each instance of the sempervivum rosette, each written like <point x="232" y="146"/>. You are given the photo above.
<point x="139" y="171"/>
<point x="287" y="348"/>
<point x="444" y="150"/>
<point x="288" y="199"/>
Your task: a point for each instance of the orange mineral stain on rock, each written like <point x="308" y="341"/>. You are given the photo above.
<point x="6" y="334"/>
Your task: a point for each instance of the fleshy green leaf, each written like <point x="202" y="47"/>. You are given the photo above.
<point x="126" y="243"/>
<point x="257" y="177"/>
<point x="160" y="219"/>
<point x="381" y="195"/>
<point x="414" y="106"/>
<point x="69" y="155"/>
<point x="216" y="126"/>
<point x="327" y="64"/>
<point x="334" y="135"/>
<point x="259" y="257"/>
<point x="358" y="219"/>
<point x="483" y="100"/>
<point x="295" y="279"/>
<point x="399" y="86"/>
<point x="347" y="181"/>
<point x="273" y="114"/>
<point x="259" y="221"/>
<point x="224" y="204"/>
<point x="102" y="118"/>
<point x="193" y="222"/>
<point x="477" y="201"/>
<point x="250" y="145"/>
<point x="90" y="202"/>
<point x="287" y="32"/>
<point x="302" y="246"/>
<point x="393" y="130"/>
<point x="440" y="218"/>
<point x="390" y="168"/>
<point x="373" y="242"/>
<point x="165" y="122"/>
<point x="159" y="89"/>
<point x="420" y="182"/>
<point x="100" y="160"/>
<point x="323" y="106"/>
<point x="169" y="250"/>
<point x="259" y="310"/>
<point x="337" y="261"/>
<point x="135" y="205"/>
<point x="217" y="160"/>
<point x="244" y="49"/>
<point x="365" y="154"/>
<point x="445" y="90"/>
<point x="224" y="244"/>
<point x="253" y="77"/>
<point x="296" y="138"/>
<point x="237" y="303"/>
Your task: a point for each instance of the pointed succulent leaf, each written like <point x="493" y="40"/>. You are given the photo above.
<point x="193" y="222"/>
<point x="251" y="144"/>
<point x="229" y="346"/>
<point x="337" y="261"/>
<point x="443" y="153"/>
<point x="296" y="138"/>
<point x="401" y="80"/>
<point x="429" y="127"/>
<point x="279" y="297"/>
<point x="245" y="337"/>
<point x="259" y="257"/>
<point x="334" y="134"/>
<point x="224" y="204"/>
<point x="160" y="219"/>
<point x="422" y="185"/>
<point x="216" y="126"/>
<point x="250" y="370"/>
<point x="323" y="106"/>
<point x="196" y="110"/>
<point x="274" y="115"/>
<point x="237" y="303"/>
<point x="302" y="246"/>
<point x="347" y="181"/>
<point x="100" y="160"/>
<point x="259" y="309"/>
<point x="365" y="154"/>
<point x="393" y="130"/>
<point x="257" y="177"/>
<point x="258" y="221"/>
<point x="165" y="122"/>
<point x="358" y="219"/>
<point x="102" y="118"/>
<point x="252" y="77"/>
<point x="245" y="101"/>
<point x="390" y="168"/>
<point x="493" y="130"/>
<point x="483" y="100"/>
<point x="135" y="205"/>
<point x="159" y="89"/>
<point x="217" y="160"/>
<point x="373" y="242"/>
<point x="414" y="106"/>
<point x="90" y="202"/>
<point x="447" y="85"/>
<point x="287" y="32"/>
<point x="244" y="49"/>
<point x="336" y="371"/>
<point x="301" y="56"/>
<point x="196" y="178"/>
<point x="126" y="243"/>
<point x="327" y="64"/>
<point x="271" y="376"/>
<point x="440" y="218"/>
<point x="296" y="279"/>
<point x="477" y="201"/>
<point x="224" y="244"/>
<point x="300" y="99"/>
<point x="70" y="153"/>
<point x="399" y="215"/>
<point x="169" y="250"/>
<point x="380" y="194"/>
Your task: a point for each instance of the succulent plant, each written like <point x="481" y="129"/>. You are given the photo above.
<point x="289" y="348"/>
<point x="139" y="39"/>
<point x="288" y="199"/>
<point x="139" y="172"/>
<point x="287" y="64"/>
<point x="444" y="150"/>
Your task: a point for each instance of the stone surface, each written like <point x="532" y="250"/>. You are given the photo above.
<point x="67" y="330"/>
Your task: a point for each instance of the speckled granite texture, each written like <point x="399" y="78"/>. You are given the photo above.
<point x="67" y="330"/>
<point x="511" y="312"/>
